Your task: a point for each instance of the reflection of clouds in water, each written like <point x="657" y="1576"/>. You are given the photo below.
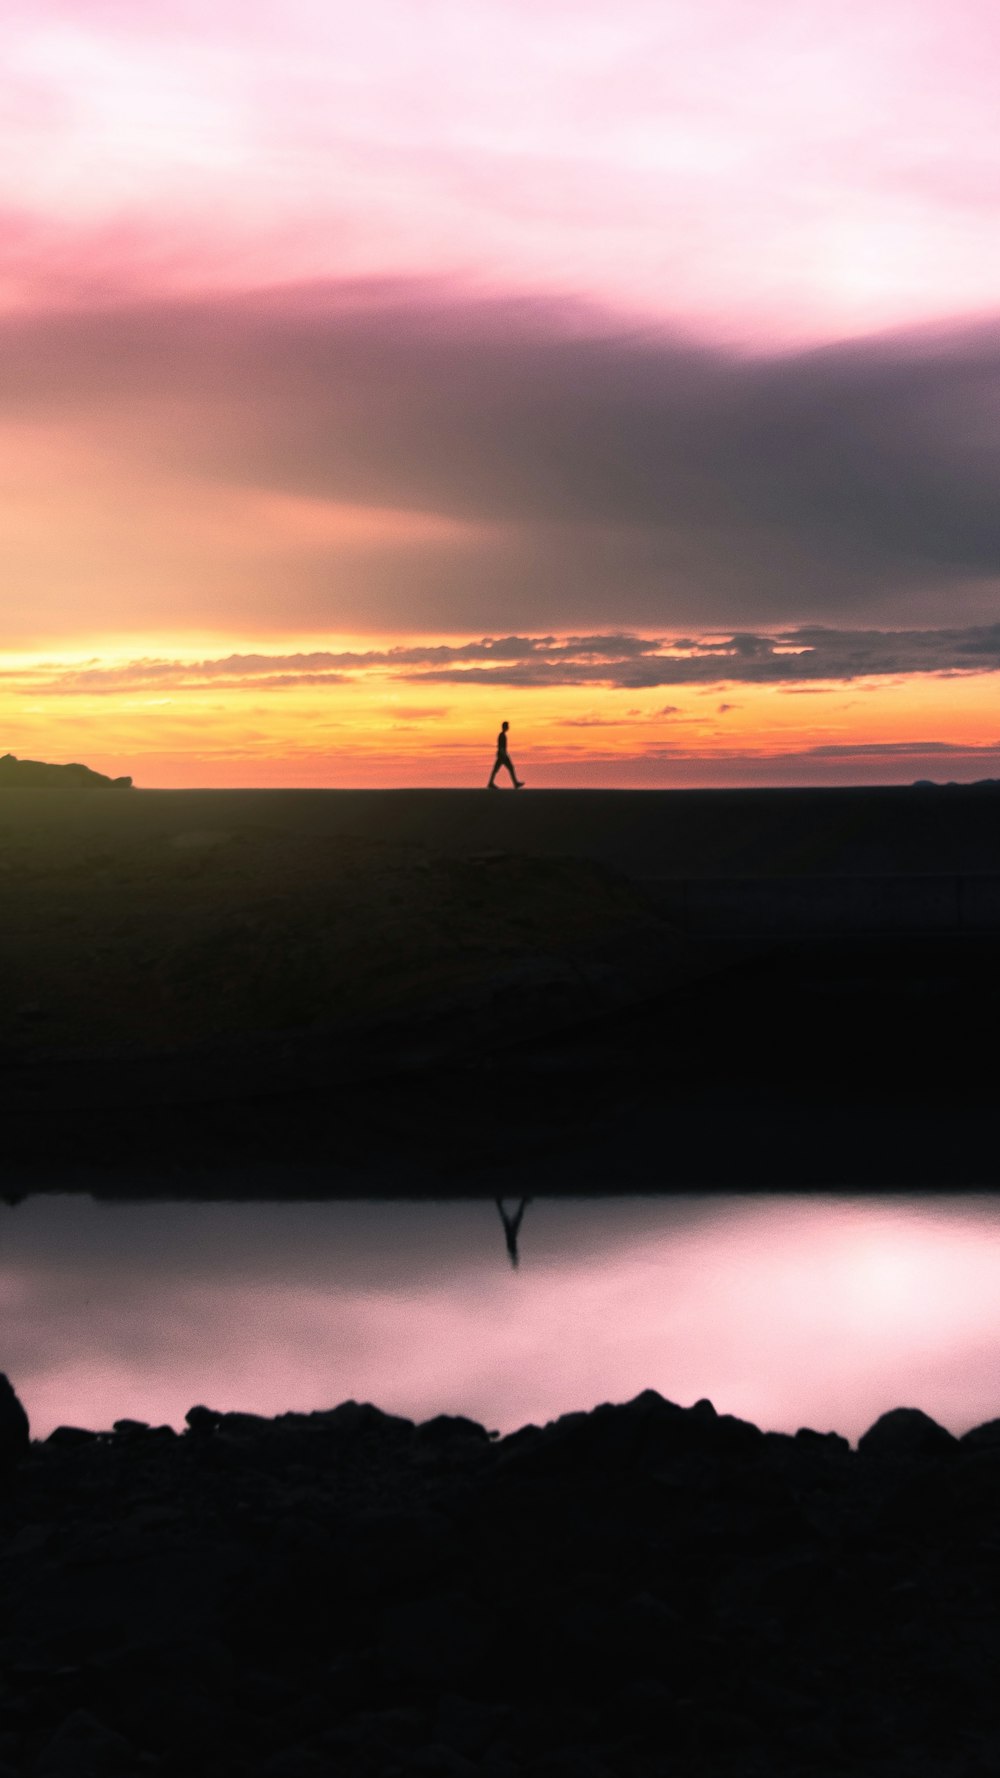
<point x="787" y="1310"/>
<point x="15" y="1290"/>
<point x="401" y="1239"/>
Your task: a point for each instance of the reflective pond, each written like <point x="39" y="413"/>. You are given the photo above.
<point x="789" y="1311"/>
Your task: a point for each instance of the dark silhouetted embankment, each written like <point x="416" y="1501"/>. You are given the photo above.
<point x="637" y="1590"/>
<point x="424" y="990"/>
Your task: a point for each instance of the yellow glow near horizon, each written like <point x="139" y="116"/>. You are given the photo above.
<point x="130" y="708"/>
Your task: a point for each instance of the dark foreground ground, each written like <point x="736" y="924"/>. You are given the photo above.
<point x="638" y="1590"/>
<point x="437" y="992"/>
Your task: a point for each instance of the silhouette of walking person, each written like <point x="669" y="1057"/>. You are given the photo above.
<point x="503" y="759"/>
<point x="512" y="1225"/>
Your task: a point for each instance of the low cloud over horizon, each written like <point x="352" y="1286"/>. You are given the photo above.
<point x="623" y="661"/>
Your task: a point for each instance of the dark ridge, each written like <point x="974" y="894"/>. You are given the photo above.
<point x="35" y="774"/>
<point x="247" y="986"/>
<point x="639" y="1589"/>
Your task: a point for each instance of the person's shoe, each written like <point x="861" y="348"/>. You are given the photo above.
<point x="492" y="786"/>
<point x="518" y="783"/>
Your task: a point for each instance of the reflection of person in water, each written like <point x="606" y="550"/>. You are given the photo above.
<point x="511" y="1225"/>
<point x="503" y="759"/>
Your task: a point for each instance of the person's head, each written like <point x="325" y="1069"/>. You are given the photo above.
<point x="505" y="725"/>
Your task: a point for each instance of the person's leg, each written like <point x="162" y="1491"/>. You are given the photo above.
<point x="509" y="763"/>
<point x="498" y="762"/>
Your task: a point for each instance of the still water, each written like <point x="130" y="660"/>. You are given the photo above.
<point x="791" y="1311"/>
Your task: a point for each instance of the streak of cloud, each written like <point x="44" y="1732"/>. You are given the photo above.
<point x="787" y="659"/>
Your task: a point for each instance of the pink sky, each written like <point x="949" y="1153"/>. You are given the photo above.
<point x="799" y="169"/>
<point x="327" y="325"/>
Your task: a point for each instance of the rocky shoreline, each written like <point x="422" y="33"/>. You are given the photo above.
<point x="639" y="1589"/>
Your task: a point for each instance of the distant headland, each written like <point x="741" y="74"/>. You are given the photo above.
<point x="35" y="774"/>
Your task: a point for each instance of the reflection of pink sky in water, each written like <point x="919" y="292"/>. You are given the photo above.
<point x="788" y="1311"/>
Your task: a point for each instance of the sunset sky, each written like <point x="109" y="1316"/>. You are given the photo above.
<point x="372" y="374"/>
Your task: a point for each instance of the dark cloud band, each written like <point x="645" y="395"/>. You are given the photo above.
<point x="606" y="476"/>
<point x="798" y="659"/>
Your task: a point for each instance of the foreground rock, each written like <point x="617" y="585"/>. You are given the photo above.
<point x="641" y="1589"/>
<point x="35" y="774"/>
<point x="14" y="1427"/>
